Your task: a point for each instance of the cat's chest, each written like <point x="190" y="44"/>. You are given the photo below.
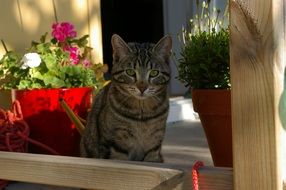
<point x="138" y="134"/>
<point x="135" y="129"/>
<point x="129" y="132"/>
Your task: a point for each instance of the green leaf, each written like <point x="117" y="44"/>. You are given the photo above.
<point x="54" y="40"/>
<point x="36" y="85"/>
<point x="51" y="62"/>
<point x="34" y="44"/>
<point x="37" y="75"/>
<point x="43" y="48"/>
<point x="81" y="42"/>
<point x="43" y="38"/>
<point x="53" y="81"/>
<point x="24" y="84"/>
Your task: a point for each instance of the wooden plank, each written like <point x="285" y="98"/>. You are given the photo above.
<point x="215" y="178"/>
<point x="257" y="71"/>
<point x="108" y="174"/>
<point x="91" y="173"/>
<point x="211" y="178"/>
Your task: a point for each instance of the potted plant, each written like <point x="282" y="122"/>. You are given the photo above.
<point x="204" y="67"/>
<point x="54" y="68"/>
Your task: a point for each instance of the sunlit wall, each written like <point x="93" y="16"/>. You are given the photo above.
<point x="26" y="20"/>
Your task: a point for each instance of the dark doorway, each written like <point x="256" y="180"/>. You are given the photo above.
<point x="133" y="20"/>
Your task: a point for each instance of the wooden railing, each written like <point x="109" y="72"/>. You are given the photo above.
<point x="92" y="173"/>
<point x="109" y="174"/>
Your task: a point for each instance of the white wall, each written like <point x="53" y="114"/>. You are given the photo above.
<point x="176" y="15"/>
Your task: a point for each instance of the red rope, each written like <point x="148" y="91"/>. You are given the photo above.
<point x="3" y="184"/>
<point x="195" y="174"/>
<point x="14" y="133"/>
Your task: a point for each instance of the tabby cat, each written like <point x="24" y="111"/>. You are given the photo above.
<point x="128" y="117"/>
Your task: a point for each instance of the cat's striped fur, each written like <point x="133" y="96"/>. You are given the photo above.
<point x="128" y="117"/>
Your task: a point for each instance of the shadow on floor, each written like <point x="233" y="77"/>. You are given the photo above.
<point x="185" y="143"/>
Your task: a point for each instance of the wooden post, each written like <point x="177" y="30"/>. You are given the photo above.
<point x="257" y="72"/>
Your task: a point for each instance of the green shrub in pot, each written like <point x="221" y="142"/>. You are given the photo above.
<point x="205" y="50"/>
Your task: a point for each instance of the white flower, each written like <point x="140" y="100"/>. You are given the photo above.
<point x="30" y="60"/>
<point x="204" y="4"/>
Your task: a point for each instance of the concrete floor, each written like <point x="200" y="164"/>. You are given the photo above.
<point x="184" y="142"/>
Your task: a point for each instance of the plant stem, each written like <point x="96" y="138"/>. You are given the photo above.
<point x="202" y="14"/>
<point x="226" y="12"/>
<point x="197" y="13"/>
<point x="20" y="15"/>
<point x="55" y="11"/>
<point x="4" y="45"/>
<point x="209" y="18"/>
<point x="216" y="19"/>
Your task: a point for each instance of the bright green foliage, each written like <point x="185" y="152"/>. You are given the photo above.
<point x="205" y="60"/>
<point x="205" y="53"/>
<point x="55" y="70"/>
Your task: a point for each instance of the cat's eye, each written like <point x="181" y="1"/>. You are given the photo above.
<point x="130" y="72"/>
<point x="154" y="73"/>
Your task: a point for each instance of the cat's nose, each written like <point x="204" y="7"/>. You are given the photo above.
<point x="142" y="86"/>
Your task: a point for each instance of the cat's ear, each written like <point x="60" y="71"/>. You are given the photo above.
<point x="164" y="47"/>
<point x="119" y="47"/>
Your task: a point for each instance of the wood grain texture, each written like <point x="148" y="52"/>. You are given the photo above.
<point x="91" y="173"/>
<point x="211" y="178"/>
<point x="108" y="174"/>
<point x="215" y="178"/>
<point x="257" y="70"/>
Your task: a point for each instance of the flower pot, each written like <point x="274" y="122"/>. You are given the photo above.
<point x="214" y="109"/>
<point x="48" y="122"/>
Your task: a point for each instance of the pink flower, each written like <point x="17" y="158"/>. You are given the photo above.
<point x="74" y="54"/>
<point x="62" y="31"/>
<point x="86" y="63"/>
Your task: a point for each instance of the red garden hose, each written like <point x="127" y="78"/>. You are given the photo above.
<point x="195" y="174"/>
<point x="14" y="133"/>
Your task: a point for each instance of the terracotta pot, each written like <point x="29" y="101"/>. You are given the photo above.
<point x="214" y="109"/>
<point x="48" y="122"/>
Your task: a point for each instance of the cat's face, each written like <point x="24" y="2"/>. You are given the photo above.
<point x="141" y="70"/>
